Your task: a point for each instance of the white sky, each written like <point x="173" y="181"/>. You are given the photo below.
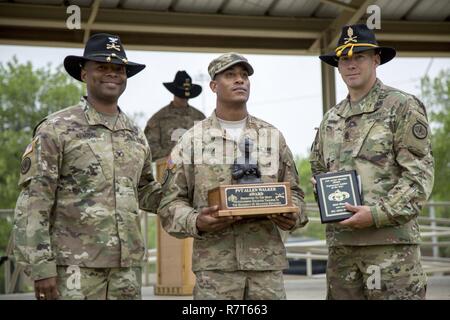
<point x="285" y="90"/>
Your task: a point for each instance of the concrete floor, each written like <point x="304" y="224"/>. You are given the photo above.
<point x="297" y="288"/>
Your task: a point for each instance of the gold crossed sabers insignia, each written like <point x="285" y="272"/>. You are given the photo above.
<point x="187" y="84"/>
<point x="350" y="38"/>
<point x="113" y="46"/>
<point x="187" y="87"/>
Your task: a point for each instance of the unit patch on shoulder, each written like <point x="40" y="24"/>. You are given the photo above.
<point x="25" y="165"/>
<point x="30" y="148"/>
<point x="419" y="130"/>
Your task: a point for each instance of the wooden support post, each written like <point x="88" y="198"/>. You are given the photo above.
<point x="174" y="257"/>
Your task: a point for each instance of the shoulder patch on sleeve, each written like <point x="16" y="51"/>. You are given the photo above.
<point x="29" y="163"/>
<point x="25" y="165"/>
<point x="30" y="148"/>
<point x="417" y="135"/>
<point x="419" y="130"/>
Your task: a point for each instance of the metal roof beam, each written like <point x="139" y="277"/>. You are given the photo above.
<point x="414" y="31"/>
<point x="46" y="25"/>
<point x="92" y="16"/>
<point x="141" y="21"/>
<point x="118" y="20"/>
<point x="340" y="5"/>
<point x="158" y="41"/>
<point x="270" y="7"/>
<point x="330" y="36"/>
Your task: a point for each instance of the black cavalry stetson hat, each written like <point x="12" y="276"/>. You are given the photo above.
<point x="102" y="47"/>
<point x="182" y="86"/>
<point x="357" y="38"/>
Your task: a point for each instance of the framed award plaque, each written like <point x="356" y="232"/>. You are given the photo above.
<point x="252" y="199"/>
<point x="333" y="191"/>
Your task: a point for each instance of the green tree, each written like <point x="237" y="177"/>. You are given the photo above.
<point x="27" y="95"/>
<point x="435" y="94"/>
<point x="312" y="229"/>
<point x="304" y="172"/>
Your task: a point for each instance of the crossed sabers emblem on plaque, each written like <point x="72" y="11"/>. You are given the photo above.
<point x="279" y="196"/>
<point x="113" y="44"/>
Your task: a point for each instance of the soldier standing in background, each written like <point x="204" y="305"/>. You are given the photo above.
<point x="167" y="125"/>
<point x="83" y="179"/>
<point x="383" y="134"/>
<point x="232" y="258"/>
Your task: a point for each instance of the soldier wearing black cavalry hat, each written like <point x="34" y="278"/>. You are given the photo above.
<point x="83" y="179"/>
<point x="383" y="134"/>
<point x="167" y="125"/>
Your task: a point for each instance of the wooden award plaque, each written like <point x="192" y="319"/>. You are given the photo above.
<point x="252" y="199"/>
<point x="333" y="191"/>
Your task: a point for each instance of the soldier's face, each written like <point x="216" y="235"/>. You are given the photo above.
<point x="232" y="85"/>
<point x="104" y="81"/>
<point x="360" y="70"/>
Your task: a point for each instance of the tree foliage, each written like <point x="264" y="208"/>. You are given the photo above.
<point x="304" y="172"/>
<point x="435" y="93"/>
<point x="27" y="95"/>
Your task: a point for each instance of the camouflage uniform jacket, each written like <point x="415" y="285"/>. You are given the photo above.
<point x="161" y="128"/>
<point x="386" y="139"/>
<point x="249" y="244"/>
<point x="82" y="182"/>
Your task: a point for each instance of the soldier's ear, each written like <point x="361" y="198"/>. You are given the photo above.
<point x="213" y="86"/>
<point x="377" y="59"/>
<point x="83" y="74"/>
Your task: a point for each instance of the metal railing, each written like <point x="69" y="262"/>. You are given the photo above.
<point x="437" y="228"/>
<point x="432" y="228"/>
<point x="10" y="278"/>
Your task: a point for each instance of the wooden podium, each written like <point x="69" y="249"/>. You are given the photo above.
<point x="174" y="257"/>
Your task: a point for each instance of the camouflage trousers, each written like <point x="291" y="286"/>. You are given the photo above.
<point x="239" y="285"/>
<point x="387" y="272"/>
<point x="75" y="283"/>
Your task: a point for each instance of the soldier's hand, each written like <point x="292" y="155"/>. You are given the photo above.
<point x="208" y="220"/>
<point x="46" y="289"/>
<point x="313" y="182"/>
<point x="286" y="221"/>
<point x="362" y="217"/>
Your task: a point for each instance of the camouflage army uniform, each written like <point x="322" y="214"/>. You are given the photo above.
<point x="385" y="138"/>
<point x="161" y="127"/>
<point x="247" y="245"/>
<point x="80" y="181"/>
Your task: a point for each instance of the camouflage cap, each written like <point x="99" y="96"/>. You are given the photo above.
<point x="227" y="60"/>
